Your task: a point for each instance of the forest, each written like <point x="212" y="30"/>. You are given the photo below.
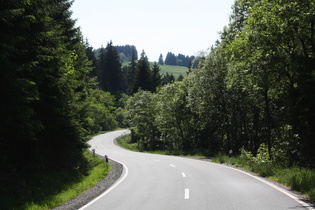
<point x="57" y="91"/>
<point x="255" y="88"/>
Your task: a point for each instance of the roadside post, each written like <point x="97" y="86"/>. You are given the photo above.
<point x="230" y="154"/>
<point x="93" y="151"/>
<point x="106" y="160"/>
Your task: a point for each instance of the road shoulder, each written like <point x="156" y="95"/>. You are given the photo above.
<point x="95" y="191"/>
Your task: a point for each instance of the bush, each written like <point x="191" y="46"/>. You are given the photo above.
<point x="221" y="158"/>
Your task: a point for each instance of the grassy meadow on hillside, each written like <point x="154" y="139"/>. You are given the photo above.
<point x="175" y="70"/>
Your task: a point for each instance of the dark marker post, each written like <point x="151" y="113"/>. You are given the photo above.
<point x="106" y="160"/>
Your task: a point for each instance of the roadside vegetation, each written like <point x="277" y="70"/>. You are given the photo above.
<point x="126" y="142"/>
<point x="297" y="178"/>
<point x="51" y="188"/>
<point x="254" y="87"/>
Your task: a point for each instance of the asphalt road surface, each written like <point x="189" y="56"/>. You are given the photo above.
<point x="161" y="182"/>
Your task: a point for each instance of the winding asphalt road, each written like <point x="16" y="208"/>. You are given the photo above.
<point x="161" y="182"/>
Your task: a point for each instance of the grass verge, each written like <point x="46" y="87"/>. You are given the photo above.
<point x="297" y="178"/>
<point x="48" y="190"/>
<point x="126" y="143"/>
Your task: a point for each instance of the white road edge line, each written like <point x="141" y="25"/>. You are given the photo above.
<point x="186" y="193"/>
<point x="110" y="188"/>
<point x="172" y="165"/>
<point x="183" y="174"/>
<point x="304" y="204"/>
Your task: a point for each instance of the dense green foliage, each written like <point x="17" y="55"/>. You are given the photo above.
<point x="109" y="70"/>
<point x="49" y="102"/>
<point x="43" y="85"/>
<point x="255" y="86"/>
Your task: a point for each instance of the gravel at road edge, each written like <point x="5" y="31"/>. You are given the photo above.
<point x="90" y="194"/>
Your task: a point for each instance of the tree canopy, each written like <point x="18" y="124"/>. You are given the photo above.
<point x="255" y="87"/>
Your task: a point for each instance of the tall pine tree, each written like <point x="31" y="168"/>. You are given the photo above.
<point x="143" y="75"/>
<point x="44" y="75"/>
<point x="131" y="72"/>
<point x="161" y="61"/>
<point x="109" y="70"/>
<point x="156" y="77"/>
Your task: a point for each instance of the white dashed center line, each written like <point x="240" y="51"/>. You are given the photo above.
<point x="183" y="174"/>
<point x="186" y="193"/>
<point x="157" y="160"/>
<point x="172" y="165"/>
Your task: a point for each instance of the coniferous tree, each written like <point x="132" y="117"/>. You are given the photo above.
<point x="143" y="76"/>
<point x="180" y="78"/>
<point x="170" y="59"/>
<point x="168" y="78"/>
<point x="91" y="57"/>
<point x="127" y="51"/>
<point x="109" y="69"/>
<point x="161" y="61"/>
<point x="131" y="72"/>
<point x="43" y="82"/>
<point x="156" y="77"/>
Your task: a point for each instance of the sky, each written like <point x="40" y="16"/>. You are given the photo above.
<point x="155" y="26"/>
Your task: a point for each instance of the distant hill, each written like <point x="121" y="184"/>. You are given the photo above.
<point x="175" y="70"/>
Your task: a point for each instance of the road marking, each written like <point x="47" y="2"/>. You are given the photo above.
<point x="287" y="193"/>
<point x="186" y="193"/>
<point x="141" y="157"/>
<point x="183" y="174"/>
<point x="110" y="188"/>
<point x="156" y="160"/>
<point x="172" y="165"/>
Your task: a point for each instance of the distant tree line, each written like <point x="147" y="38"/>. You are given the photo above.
<point x="128" y="79"/>
<point x="126" y="52"/>
<point x="179" y="60"/>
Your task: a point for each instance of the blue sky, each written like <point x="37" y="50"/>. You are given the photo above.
<point x="159" y="26"/>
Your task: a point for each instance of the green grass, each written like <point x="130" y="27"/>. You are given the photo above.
<point x="125" y="142"/>
<point x="297" y="178"/>
<point x="45" y="191"/>
<point x="175" y="70"/>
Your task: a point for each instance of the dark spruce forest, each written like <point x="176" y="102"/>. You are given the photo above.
<point x="253" y="91"/>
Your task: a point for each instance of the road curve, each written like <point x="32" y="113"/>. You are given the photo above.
<point x="162" y="182"/>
